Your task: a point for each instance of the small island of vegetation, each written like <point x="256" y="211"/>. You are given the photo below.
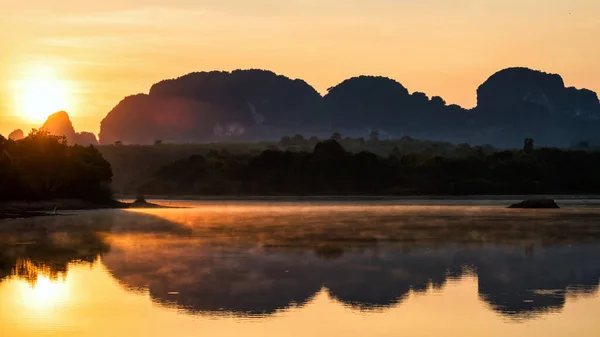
<point x="42" y="172"/>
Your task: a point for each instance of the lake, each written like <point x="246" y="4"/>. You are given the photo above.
<point x="304" y="268"/>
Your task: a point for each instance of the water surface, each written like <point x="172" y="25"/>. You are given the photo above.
<point x="303" y="269"/>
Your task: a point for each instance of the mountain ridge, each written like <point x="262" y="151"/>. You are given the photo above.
<point x="252" y="104"/>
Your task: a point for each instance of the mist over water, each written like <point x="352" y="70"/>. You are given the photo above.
<point x="321" y="267"/>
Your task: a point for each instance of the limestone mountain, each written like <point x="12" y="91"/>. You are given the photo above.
<point x="367" y="103"/>
<point x="522" y="90"/>
<point x="205" y="105"/>
<point x="85" y="138"/>
<point x="59" y="124"/>
<point x="513" y="104"/>
<point x="16" y="135"/>
<point x="520" y="102"/>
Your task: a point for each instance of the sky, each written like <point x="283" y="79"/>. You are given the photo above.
<point x="85" y="56"/>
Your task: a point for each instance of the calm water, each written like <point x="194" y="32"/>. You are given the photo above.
<point x="303" y="269"/>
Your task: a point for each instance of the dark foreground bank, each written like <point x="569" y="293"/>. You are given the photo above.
<point x="20" y="209"/>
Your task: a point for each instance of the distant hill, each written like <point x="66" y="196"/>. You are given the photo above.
<point x="212" y="105"/>
<point x="16" y="135"/>
<point x="519" y="90"/>
<point x="59" y="124"/>
<point x="257" y="104"/>
<point x="520" y="102"/>
<point x="366" y="103"/>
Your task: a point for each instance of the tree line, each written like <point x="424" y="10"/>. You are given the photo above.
<point x="329" y="169"/>
<point x="42" y="167"/>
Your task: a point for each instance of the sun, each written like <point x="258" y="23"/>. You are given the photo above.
<point x="40" y="92"/>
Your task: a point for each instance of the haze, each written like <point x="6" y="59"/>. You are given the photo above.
<point x="95" y="53"/>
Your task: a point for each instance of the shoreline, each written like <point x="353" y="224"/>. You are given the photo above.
<point x="23" y="209"/>
<point x="333" y="197"/>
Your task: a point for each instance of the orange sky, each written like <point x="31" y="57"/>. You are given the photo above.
<point x="100" y="51"/>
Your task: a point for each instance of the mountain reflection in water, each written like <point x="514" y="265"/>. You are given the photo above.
<point x="215" y="262"/>
<point x="257" y="281"/>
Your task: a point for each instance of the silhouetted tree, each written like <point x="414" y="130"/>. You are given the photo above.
<point x="438" y="101"/>
<point x="157" y="142"/>
<point x="330" y="169"/>
<point x="528" y="146"/>
<point x="409" y="160"/>
<point x="212" y="154"/>
<point x="285" y="141"/>
<point x="336" y="136"/>
<point x="583" y="145"/>
<point x="374" y="136"/>
<point x="118" y="143"/>
<point x="420" y="98"/>
<point x="42" y="166"/>
<point x="396" y="152"/>
<point x="329" y="149"/>
<point x="298" y="140"/>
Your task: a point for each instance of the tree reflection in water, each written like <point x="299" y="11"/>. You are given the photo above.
<point x="520" y="279"/>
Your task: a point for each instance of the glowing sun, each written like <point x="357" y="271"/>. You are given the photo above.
<point x="40" y="93"/>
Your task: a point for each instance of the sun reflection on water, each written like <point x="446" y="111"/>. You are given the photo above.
<point x="252" y="270"/>
<point x="39" y="287"/>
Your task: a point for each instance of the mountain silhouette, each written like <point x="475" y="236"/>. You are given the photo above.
<point x="255" y="269"/>
<point x="519" y="102"/>
<point x="512" y="104"/>
<point x="257" y="282"/>
<point x="378" y="103"/>
<point x="222" y="273"/>
<point x="16" y="135"/>
<point x="517" y="90"/>
<point x="59" y="124"/>
<point x="85" y="138"/>
<point x="207" y="105"/>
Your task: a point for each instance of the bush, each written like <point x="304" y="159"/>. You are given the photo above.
<point x="41" y="166"/>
